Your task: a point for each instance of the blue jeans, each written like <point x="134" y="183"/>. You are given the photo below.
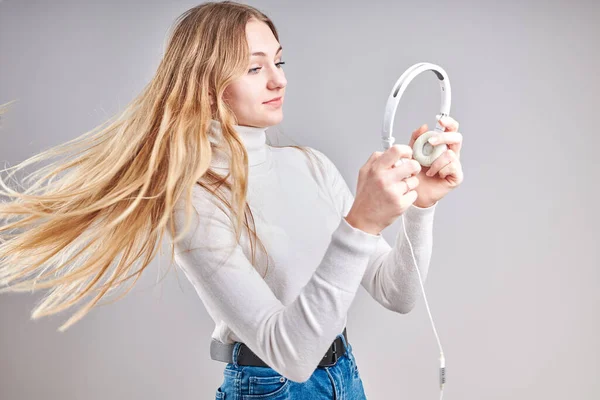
<point x="339" y="382"/>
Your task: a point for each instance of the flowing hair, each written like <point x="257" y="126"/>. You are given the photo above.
<point x="91" y="217"/>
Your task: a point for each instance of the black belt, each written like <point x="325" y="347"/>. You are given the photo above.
<point x="334" y="352"/>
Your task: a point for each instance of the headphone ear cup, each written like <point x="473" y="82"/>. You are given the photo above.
<point x="424" y="152"/>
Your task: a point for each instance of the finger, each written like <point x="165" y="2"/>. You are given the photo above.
<point x="374" y="156"/>
<point x="405" y="170"/>
<point x="416" y="133"/>
<point x="449" y="123"/>
<point x="447" y="157"/>
<point x="409" y="184"/>
<point x="452" y="139"/>
<point x="369" y="165"/>
<point x="391" y="156"/>
<point x="453" y="171"/>
<point x="408" y="199"/>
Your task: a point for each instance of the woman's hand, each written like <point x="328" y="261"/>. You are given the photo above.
<point x="446" y="172"/>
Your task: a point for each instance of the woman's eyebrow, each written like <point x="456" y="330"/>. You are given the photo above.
<point x="260" y="53"/>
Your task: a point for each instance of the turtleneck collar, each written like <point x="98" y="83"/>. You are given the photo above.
<point x="254" y="139"/>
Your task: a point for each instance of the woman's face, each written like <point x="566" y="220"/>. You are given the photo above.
<point x="264" y="80"/>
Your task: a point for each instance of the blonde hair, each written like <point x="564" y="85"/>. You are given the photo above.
<point x="115" y="196"/>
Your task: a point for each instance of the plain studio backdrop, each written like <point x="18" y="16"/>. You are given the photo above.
<point x="514" y="276"/>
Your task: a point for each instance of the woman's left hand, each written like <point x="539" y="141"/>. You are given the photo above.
<point x="446" y="173"/>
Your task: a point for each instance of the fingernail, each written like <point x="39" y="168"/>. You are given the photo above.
<point x="432" y="140"/>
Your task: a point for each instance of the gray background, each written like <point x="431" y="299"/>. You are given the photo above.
<point x="514" y="278"/>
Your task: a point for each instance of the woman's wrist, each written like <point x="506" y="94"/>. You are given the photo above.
<point x="363" y="227"/>
<point x="424" y="204"/>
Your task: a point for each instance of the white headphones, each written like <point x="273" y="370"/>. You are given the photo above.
<point x="423" y="152"/>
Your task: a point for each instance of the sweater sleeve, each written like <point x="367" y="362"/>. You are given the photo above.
<point x="292" y="339"/>
<point x="390" y="276"/>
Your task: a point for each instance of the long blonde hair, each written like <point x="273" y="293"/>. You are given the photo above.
<point x="115" y="195"/>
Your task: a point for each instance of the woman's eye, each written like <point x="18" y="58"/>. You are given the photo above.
<point x="279" y="64"/>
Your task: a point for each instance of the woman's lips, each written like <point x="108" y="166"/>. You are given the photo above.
<point x="276" y="102"/>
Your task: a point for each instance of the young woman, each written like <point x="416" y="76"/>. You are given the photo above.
<point x="189" y="157"/>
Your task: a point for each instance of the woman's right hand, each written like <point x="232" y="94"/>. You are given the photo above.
<point x="385" y="189"/>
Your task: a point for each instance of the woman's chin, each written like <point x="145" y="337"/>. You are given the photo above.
<point x="270" y="119"/>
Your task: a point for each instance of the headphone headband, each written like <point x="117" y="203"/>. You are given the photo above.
<point x="400" y="87"/>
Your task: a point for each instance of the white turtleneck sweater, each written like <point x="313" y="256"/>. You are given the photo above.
<point x="318" y="260"/>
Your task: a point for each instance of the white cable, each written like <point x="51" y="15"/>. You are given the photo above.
<point x="442" y="360"/>
<point x="423" y="152"/>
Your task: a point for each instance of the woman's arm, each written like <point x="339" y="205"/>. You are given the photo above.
<point x="390" y="276"/>
<point x="291" y="339"/>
